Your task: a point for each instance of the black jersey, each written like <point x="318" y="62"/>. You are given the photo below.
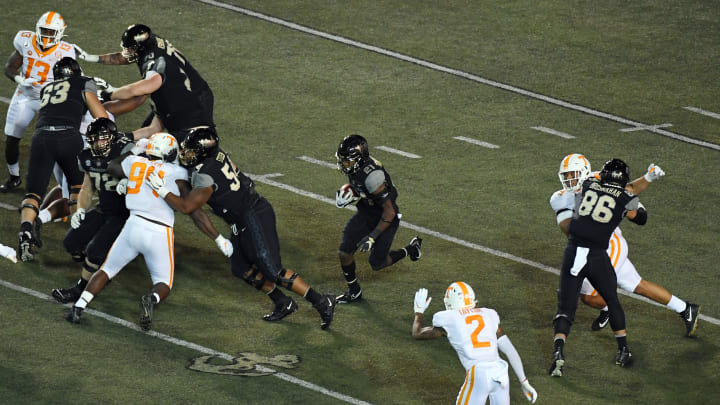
<point x="366" y="180"/>
<point x="110" y="202"/>
<point x="63" y="102"/>
<point x="178" y="100"/>
<point x="600" y="210"/>
<point x="233" y="192"/>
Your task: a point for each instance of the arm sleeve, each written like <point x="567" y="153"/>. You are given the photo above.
<point x="506" y="346"/>
<point x="201" y="180"/>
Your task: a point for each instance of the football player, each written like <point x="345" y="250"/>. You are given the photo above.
<point x="181" y="97"/>
<point x="56" y="140"/>
<point x="476" y="336"/>
<point x="603" y="203"/>
<point x="232" y="196"/>
<point x="31" y="67"/>
<point x="574" y="169"/>
<point x="372" y="229"/>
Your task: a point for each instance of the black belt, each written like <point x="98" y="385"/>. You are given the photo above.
<point x="153" y="221"/>
<point x="55" y="127"/>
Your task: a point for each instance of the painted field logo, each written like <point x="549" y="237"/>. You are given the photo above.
<point x="244" y="364"/>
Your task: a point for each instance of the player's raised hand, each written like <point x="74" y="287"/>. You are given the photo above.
<point x="422" y="302"/>
<point x="653" y="173"/>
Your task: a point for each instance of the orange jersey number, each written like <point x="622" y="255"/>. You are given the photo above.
<point x="138" y="173"/>
<point x="43" y="69"/>
<point x="473" y="336"/>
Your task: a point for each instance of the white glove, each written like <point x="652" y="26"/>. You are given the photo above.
<point x="103" y="89"/>
<point x="24" y="81"/>
<point x="653" y="173"/>
<point x="529" y="391"/>
<point x="344" y="198"/>
<point x="77" y="218"/>
<point x="88" y="57"/>
<point x="422" y="302"/>
<point x="140" y="146"/>
<point x="121" y="187"/>
<point x="8" y="253"/>
<point x="157" y="183"/>
<point x="225" y="245"/>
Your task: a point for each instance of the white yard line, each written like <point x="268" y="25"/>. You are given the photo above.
<point x="553" y="132"/>
<point x="476" y="142"/>
<point x="190" y="345"/>
<point x="703" y="112"/>
<point x="459" y="73"/>
<point x="398" y="152"/>
<point x="645" y="127"/>
<point x="318" y="162"/>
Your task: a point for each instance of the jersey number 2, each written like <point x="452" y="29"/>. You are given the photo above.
<point x="474" y="335"/>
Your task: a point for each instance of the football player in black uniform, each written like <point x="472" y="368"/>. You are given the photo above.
<point x="256" y="259"/>
<point x="93" y="231"/>
<point x="181" y="97"/>
<point x="56" y="139"/>
<point x="602" y="206"/>
<point x="374" y="225"/>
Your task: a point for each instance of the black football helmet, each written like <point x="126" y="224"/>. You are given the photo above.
<point x="100" y="135"/>
<point x="615" y="172"/>
<point x="66" y="67"/>
<point x="135" y="41"/>
<point x="351" y="153"/>
<point x="197" y="145"/>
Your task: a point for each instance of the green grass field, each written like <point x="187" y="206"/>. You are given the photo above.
<point x="440" y="70"/>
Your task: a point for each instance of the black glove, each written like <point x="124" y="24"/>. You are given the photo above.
<point x="366" y="243"/>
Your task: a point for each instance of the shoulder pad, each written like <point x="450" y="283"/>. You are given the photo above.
<point x="562" y="199"/>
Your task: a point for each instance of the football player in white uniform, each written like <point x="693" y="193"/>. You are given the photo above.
<point x="574" y="169"/>
<point x="31" y="66"/>
<point x="476" y="335"/>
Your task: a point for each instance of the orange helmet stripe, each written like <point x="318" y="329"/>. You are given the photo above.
<point x="50" y="17"/>
<point x="566" y="162"/>
<point x="464" y="289"/>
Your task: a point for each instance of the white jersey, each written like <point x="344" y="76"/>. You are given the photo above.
<point x="141" y="199"/>
<point x="37" y="63"/>
<point x="472" y="333"/>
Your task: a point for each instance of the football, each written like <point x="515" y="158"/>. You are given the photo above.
<point x="344" y="189"/>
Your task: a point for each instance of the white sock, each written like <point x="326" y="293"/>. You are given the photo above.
<point x="45" y="216"/>
<point x="84" y="299"/>
<point x="605" y="308"/>
<point x="676" y="304"/>
<point x="14" y="169"/>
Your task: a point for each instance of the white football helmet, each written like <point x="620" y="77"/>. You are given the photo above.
<point x="458" y="296"/>
<point x="162" y="146"/>
<point x="574" y="170"/>
<point x="49" y="29"/>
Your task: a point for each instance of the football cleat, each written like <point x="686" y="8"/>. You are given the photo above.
<point x="415" y="248"/>
<point x="326" y="308"/>
<point x="283" y="308"/>
<point x="690" y="317"/>
<point x="601" y="321"/>
<point x="65" y="295"/>
<point x="348" y="297"/>
<point x="12" y="183"/>
<point x="558" y="361"/>
<point x="624" y="358"/>
<point x="73" y="316"/>
<point x="146" y="312"/>
<point x="25" y="246"/>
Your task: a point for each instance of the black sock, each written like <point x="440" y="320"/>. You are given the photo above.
<point x="559" y="343"/>
<point x="276" y="295"/>
<point x="621" y="341"/>
<point x="313" y="296"/>
<point x="396" y="255"/>
<point x="350" y="277"/>
<point x="81" y="284"/>
<point x="26" y="226"/>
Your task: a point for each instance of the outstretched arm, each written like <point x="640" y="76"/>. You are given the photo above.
<point x="114" y="58"/>
<point x="506" y="346"/>
<point x="418" y="331"/>
<point x="138" y="88"/>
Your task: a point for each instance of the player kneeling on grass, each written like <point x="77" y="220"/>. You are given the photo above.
<point x="149" y="228"/>
<point x="476" y="335"/>
<point x="232" y="196"/>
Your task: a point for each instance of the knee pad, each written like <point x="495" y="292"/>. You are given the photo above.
<point x="252" y="276"/>
<point x="286" y="282"/>
<point x="562" y="323"/>
<point x="90" y="267"/>
<point x="376" y="264"/>
<point x="78" y="257"/>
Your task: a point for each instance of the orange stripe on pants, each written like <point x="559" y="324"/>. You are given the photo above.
<point x="171" y="252"/>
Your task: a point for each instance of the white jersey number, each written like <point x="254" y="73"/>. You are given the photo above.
<point x="55" y="93"/>
<point x="599" y="208"/>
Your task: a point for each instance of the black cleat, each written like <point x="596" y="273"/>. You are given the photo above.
<point x="283" y="308"/>
<point x="624" y="358"/>
<point x="73" y="316"/>
<point x="558" y="361"/>
<point x="65" y="295"/>
<point x="414" y="249"/>
<point x="12" y="183"/>
<point x="348" y="297"/>
<point x="25" y="246"/>
<point x="146" y="312"/>
<point x="601" y="321"/>
<point x="690" y="317"/>
<point x="326" y="308"/>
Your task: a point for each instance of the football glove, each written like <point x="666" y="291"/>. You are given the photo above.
<point x="225" y="245"/>
<point x="121" y="187"/>
<point x="8" y="253"/>
<point x="529" y="391"/>
<point x="366" y="243"/>
<point x="104" y="89"/>
<point x="157" y="183"/>
<point x="77" y="218"/>
<point x="653" y="173"/>
<point x="24" y="81"/>
<point x="88" y="57"/>
<point x="422" y="302"/>
<point x="343" y="198"/>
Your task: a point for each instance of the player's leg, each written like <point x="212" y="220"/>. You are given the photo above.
<point x="355" y="229"/>
<point x="475" y="388"/>
<point x="20" y="113"/>
<point x="590" y="297"/>
<point x="567" y="305"/>
<point x="157" y="245"/>
<point x="499" y="383"/>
